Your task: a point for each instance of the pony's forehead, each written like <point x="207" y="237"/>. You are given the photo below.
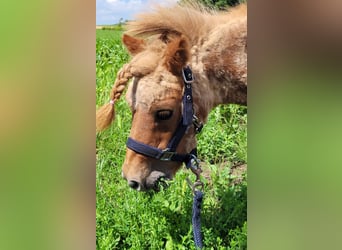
<point x="158" y="86"/>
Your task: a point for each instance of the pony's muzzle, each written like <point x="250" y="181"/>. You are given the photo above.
<point x="151" y="182"/>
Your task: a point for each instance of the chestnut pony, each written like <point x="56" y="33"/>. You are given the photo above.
<point x="162" y="43"/>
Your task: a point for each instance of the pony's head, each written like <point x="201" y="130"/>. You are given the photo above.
<point x="155" y="98"/>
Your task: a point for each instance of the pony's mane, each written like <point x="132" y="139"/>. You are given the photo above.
<point x="191" y="20"/>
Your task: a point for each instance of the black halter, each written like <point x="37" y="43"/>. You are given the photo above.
<point x="188" y="118"/>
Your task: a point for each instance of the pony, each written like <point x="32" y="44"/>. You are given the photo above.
<point x="213" y="45"/>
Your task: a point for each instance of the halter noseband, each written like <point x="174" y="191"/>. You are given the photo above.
<point x="188" y="118"/>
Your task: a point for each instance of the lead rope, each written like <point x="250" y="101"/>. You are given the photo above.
<point x="197" y="202"/>
<point x="196" y="218"/>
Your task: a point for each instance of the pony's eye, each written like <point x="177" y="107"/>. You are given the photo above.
<point x="164" y="114"/>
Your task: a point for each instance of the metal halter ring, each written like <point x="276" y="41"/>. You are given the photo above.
<point x="197" y="185"/>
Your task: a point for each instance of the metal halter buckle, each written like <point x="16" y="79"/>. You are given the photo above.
<point x="167" y="155"/>
<point x="195" y="166"/>
<point x="187" y="75"/>
<point x="198" y="125"/>
<point x="194" y="162"/>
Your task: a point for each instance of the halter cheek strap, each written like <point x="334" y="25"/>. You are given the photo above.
<point x="188" y="118"/>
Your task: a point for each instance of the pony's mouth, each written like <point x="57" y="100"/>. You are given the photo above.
<point x="161" y="183"/>
<point x="157" y="181"/>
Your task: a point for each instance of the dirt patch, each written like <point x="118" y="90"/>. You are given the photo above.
<point x="236" y="172"/>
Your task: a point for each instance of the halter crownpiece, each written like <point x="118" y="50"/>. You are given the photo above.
<point x="188" y="119"/>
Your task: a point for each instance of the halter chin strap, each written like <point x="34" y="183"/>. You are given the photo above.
<point x="188" y="118"/>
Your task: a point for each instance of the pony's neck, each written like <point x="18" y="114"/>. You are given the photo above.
<point x="220" y="68"/>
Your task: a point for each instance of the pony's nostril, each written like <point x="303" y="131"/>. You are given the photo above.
<point x="133" y="184"/>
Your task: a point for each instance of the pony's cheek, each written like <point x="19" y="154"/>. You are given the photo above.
<point x="175" y="170"/>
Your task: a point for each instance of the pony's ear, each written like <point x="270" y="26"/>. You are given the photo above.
<point x="133" y="45"/>
<point x="177" y="55"/>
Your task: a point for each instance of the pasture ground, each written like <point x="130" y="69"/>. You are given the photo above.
<point x="126" y="219"/>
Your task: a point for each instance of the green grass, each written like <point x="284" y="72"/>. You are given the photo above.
<point x="127" y="219"/>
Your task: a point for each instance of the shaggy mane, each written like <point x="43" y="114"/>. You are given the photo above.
<point x="191" y="19"/>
